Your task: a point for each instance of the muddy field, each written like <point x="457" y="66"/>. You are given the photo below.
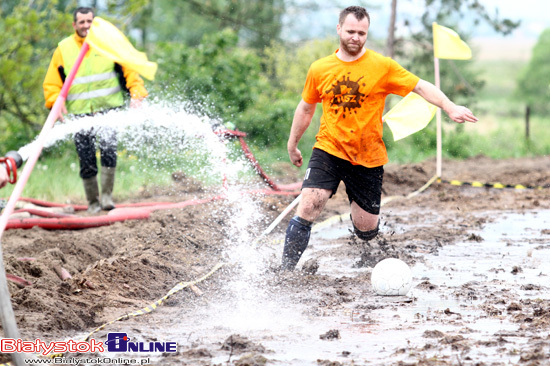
<point x="479" y="258"/>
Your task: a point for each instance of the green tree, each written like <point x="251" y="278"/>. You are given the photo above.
<point x="217" y="78"/>
<point x="34" y="28"/>
<point x="458" y="80"/>
<point x="288" y="66"/>
<point x="256" y="23"/>
<point x="534" y="81"/>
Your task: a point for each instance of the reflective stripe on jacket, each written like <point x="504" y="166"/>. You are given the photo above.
<point x="95" y="86"/>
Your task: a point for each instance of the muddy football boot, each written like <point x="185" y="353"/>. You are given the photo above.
<point x="296" y="241"/>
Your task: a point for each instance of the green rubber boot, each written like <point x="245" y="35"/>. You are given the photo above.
<point x="92" y="194"/>
<point x="107" y="184"/>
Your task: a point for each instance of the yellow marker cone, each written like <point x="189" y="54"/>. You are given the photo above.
<point x="110" y="42"/>
<point x="410" y="115"/>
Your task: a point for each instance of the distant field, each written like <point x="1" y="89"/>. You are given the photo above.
<point x="501" y="128"/>
<point x="500" y="62"/>
<point x="498" y="94"/>
<point x="502" y="48"/>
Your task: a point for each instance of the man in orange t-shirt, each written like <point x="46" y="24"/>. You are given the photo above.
<point x="352" y="85"/>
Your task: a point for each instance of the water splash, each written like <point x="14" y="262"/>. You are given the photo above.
<point x="161" y="133"/>
<point x="169" y="135"/>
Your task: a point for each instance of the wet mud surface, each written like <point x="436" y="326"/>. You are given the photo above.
<point x="479" y="258"/>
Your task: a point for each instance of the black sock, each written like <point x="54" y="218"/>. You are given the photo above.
<point x="296" y="241"/>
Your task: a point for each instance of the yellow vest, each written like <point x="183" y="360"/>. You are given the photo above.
<point x="95" y="86"/>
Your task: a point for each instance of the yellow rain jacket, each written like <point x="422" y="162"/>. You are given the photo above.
<point x="95" y="87"/>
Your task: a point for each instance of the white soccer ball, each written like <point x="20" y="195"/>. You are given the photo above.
<point x="391" y="277"/>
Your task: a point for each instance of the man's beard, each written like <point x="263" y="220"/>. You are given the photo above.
<point x="351" y="51"/>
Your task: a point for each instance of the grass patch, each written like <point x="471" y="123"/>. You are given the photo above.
<point x="56" y="178"/>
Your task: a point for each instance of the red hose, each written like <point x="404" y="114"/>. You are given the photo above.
<point x="43" y="213"/>
<point x="75" y="223"/>
<point x="143" y="204"/>
<point x="168" y="206"/>
<point x="255" y="164"/>
<point x="248" y="154"/>
<point x="85" y="207"/>
<point x="122" y="213"/>
<point x="52" y="204"/>
<point x="19" y="281"/>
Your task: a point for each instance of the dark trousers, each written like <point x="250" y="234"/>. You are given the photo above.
<point x="85" y="142"/>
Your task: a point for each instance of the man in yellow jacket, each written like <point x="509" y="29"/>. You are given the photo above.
<point x="96" y="88"/>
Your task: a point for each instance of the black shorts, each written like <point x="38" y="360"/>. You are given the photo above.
<point x="363" y="185"/>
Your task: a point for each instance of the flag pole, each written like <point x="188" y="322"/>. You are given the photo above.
<point x="9" y="325"/>
<point x="447" y="45"/>
<point x="438" y="119"/>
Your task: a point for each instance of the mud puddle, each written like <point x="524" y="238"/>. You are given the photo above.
<point x="480" y="300"/>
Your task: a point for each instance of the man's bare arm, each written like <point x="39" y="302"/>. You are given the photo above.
<point x="432" y="94"/>
<point x="302" y="119"/>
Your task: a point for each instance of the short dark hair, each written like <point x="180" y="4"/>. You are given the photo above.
<point x="358" y="11"/>
<point x="82" y="10"/>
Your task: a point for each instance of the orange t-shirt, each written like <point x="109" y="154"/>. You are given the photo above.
<point x="353" y="96"/>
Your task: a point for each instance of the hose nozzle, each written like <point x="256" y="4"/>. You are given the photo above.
<point x="16" y="157"/>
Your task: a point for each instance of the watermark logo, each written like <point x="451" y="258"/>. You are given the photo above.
<point x="8" y="345"/>
<point x="116" y="342"/>
<point x="120" y="342"/>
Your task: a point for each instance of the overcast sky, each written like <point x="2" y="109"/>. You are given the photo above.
<point x="534" y="16"/>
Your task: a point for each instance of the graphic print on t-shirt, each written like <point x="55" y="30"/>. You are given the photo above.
<point x="346" y="95"/>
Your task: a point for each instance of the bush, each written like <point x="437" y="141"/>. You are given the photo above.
<point x="268" y="124"/>
<point x="218" y="78"/>
<point x="534" y="82"/>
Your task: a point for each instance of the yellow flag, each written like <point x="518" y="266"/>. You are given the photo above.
<point x="108" y="41"/>
<point x="448" y="45"/>
<point x="410" y="115"/>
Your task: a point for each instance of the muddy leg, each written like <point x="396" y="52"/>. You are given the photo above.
<point x="364" y="238"/>
<point x="368" y="234"/>
<point x="299" y="227"/>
